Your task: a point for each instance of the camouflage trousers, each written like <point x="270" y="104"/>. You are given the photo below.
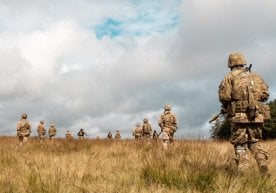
<point x="245" y="138"/>
<point x="41" y="137"/>
<point x="137" y="137"/>
<point x="22" y="139"/>
<point x="166" y="137"/>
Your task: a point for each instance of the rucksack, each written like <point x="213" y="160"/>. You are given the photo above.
<point x="248" y="87"/>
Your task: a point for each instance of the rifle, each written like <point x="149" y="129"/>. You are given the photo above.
<point x="215" y="117"/>
<point x="248" y="68"/>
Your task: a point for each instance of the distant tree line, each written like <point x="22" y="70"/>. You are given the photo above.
<point x="220" y="129"/>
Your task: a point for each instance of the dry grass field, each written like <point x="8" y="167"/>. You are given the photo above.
<point x="100" y="166"/>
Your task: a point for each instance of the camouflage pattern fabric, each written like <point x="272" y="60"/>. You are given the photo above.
<point x="242" y="94"/>
<point x="81" y="134"/>
<point x="109" y="135"/>
<point x="23" y="130"/>
<point x="69" y="135"/>
<point x="52" y="132"/>
<point x="117" y="135"/>
<point x="41" y="131"/>
<point x="146" y="130"/>
<point x="137" y="132"/>
<point x="168" y="123"/>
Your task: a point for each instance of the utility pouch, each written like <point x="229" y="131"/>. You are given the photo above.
<point x="232" y="109"/>
<point x="265" y="111"/>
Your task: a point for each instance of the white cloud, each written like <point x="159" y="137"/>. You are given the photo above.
<point x="53" y="67"/>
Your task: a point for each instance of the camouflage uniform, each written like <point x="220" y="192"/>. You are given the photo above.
<point x="155" y="135"/>
<point x="81" y="134"/>
<point x="168" y="125"/>
<point x="109" y="135"/>
<point x="242" y="94"/>
<point x="41" y="131"/>
<point x="137" y="132"/>
<point x="52" y="131"/>
<point x="23" y="129"/>
<point x="68" y="135"/>
<point x="146" y="129"/>
<point x="117" y="135"/>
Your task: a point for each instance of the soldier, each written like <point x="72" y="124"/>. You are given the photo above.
<point x="242" y="94"/>
<point x="109" y="135"/>
<point x="23" y="129"/>
<point x="137" y="132"/>
<point x="146" y="129"/>
<point x="155" y="135"/>
<point x="81" y="134"/>
<point x="41" y="131"/>
<point x="117" y="135"/>
<point x="68" y="135"/>
<point x="52" y="131"/>
<point x="168" y="125"/>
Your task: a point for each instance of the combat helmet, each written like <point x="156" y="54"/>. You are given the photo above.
<point x="24" y="116"/>
<point x="236" y="59"/>
<point x="145" y="120"/>
<point x="167" y="107"/>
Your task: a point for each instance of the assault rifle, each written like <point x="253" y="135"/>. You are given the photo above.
<point x="249" y="68"/>
<point x="215" y="117"/>
<point x="222" y="112"/>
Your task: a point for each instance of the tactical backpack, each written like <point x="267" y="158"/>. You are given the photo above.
<point x="248" y="89"/>
<point x="146" y="128"/>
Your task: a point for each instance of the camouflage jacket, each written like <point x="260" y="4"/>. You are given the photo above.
<point x="241" y="90"/>
<point x="138" y="131"/>
<point x="168" y="120"/>
<point x="146" y="129"/>
<point x="52" y="131"/>
<point x="41" y="129"/>
<point x="23" y="127"/>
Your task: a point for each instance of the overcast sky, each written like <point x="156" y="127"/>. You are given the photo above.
<point x="106" y="65"/>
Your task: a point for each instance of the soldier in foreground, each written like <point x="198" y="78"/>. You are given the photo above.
<point x="117" y="135"/>
<point x="81" y="134"/>
<point x="146" y="129"/>
<point x="137" y="132"/>
<point x="41" y="131"/>
<point x="23" y="129"/>
<point x="168" y="125"/>
<point x="52" y="131"/>
<point x="242" y="94"/>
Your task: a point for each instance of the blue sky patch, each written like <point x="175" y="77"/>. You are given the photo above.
<point x="147" y="21"/>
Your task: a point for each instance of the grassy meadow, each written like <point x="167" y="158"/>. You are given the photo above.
<point x="126" y="166"/>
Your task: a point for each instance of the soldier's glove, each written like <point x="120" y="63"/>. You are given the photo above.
<point x="223" y="110"/>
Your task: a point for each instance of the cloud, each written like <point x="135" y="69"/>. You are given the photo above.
<point x="114" y="63"/>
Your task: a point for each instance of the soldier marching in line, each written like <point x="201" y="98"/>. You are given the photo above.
<point x="81" y="134"/>
<point x="41" y="131"/>
<point x="137" y="132"/>
<point x="242" y="94"/>
<point x="155" y="135"/>
<point x="168" y="125"/>
<point x="23" y="129"/>
<point x="68" y="135"/>
<point x="146" y="130"/>
<point x="117" y="135"/>
<point x="52" y="132"/>
<point x="109" y="135"/>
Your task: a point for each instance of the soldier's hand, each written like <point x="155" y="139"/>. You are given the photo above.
<point x="223" y="111"/>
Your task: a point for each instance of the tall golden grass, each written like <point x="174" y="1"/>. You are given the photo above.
<point x="126" y="166"/>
